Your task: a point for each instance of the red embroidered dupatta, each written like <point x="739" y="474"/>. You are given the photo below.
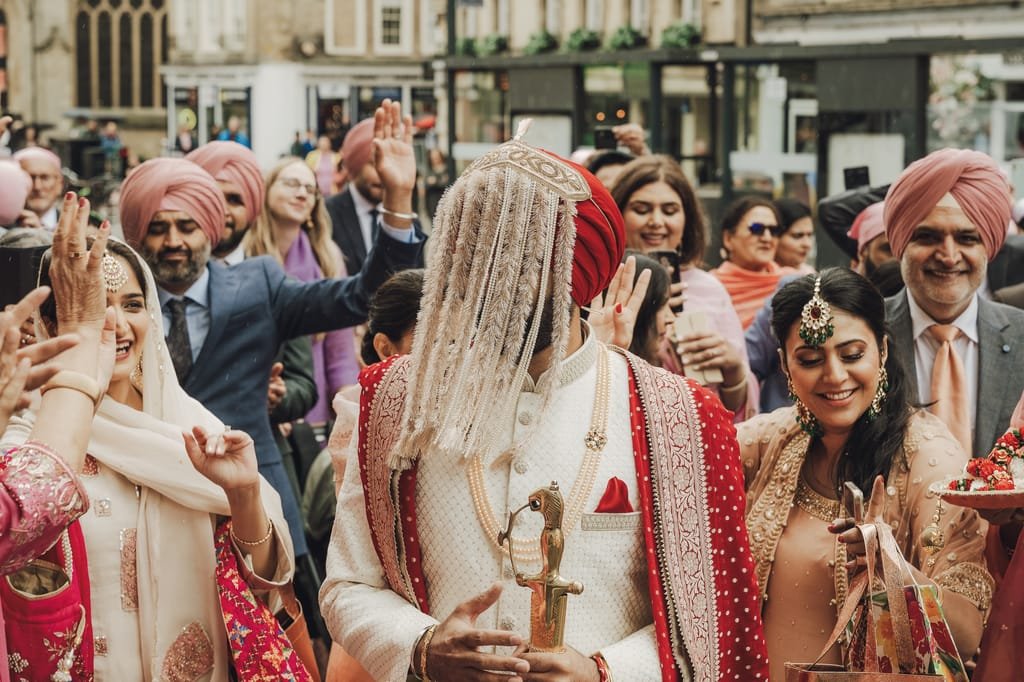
<point x="702" y="585"/>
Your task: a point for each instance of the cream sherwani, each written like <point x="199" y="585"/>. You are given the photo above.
<point x="604" y="551"/>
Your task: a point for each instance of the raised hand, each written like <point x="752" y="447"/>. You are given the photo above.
<point x="849" y="533"/>
<point x="227" y="459"/>
<point x="709" y="350"/>
<point x="75" y="269"/>
<point x="393" y="156"/>
<point x="613" y="315"/>
<point x="453" y="652"/>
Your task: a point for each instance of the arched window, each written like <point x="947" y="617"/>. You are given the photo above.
<point x="82" y="59"/>
<point x="125" y="60"/>
<point x="146" y="60"/>
<point x="105" y="60"/>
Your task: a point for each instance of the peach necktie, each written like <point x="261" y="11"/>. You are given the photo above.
<point x="950" y="396"/>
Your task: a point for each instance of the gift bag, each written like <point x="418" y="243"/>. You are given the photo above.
<point x="906" y="620"/>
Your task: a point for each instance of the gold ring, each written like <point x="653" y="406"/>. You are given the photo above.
<point x="75" y="255"/>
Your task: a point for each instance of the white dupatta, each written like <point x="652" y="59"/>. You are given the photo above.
<point x="176" y="560"/>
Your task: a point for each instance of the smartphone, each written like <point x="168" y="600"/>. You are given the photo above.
<point x="19" y="272"/>
<point x="670" y="261"/>
<point x="697" y="321"/>
<point x="604" y="138"/>
<point x="857" y="176"/>
<point x="853" y="501"/>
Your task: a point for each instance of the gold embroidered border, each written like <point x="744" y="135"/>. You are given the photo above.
<point x="970" y="581"/>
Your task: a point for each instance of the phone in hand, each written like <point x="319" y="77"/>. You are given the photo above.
<point x="604" y="138"/>
<point x="669" y="259"/>
<point x="19" y="272"/>
<point x="853" y="501"/>
<point x="697" y="321"/>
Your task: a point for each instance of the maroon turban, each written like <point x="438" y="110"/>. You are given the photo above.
<point x="15" y="184"/>
<point x="170" y="185"/>
<point x="357" y="149"/>
<point x="971" y="177"/>
<point x="232" y="162"/>
<point x="600" y="240"/>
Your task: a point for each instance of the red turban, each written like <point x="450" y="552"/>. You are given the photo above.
<point x="971" y="177"/>
<point x="600" y="240"/>
<point x="170" y="185"/>
<point x="357" y="148"/>
<point x="232" y="162"/>
<point x="867" y="225"/>
<point x="39" y="154"/>
<point x="15" y="185"/>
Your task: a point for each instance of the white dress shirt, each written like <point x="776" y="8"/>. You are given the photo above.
<point x="926" y="347"/>
<point x="363" y="208"/>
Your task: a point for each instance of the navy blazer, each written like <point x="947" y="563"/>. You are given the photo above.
<point x="1000" y="375"/>
<point x="346" y="230"/>
<point x="254" y="307"/>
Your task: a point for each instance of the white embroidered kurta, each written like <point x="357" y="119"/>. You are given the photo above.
<point x="603" y="551"/>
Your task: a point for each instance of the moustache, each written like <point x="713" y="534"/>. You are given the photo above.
<point x="163" y="253"/>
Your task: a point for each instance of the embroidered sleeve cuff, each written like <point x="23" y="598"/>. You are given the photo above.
<point x="283" y="571"/>
<point x="970" y="581"/>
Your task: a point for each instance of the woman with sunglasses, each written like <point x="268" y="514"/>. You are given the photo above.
<point x="293" y="227"/>
<point x="750" y="236"/>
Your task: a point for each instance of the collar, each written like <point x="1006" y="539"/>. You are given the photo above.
<point x="966" y="323"/>
<point x="574" y="366"/>
<point x="235" y="257"/>
<point x="198" y="293"/>
<point x="363" y="205"/>
<point x="50" y="219"/>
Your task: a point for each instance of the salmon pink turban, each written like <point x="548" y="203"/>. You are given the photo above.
<point x="971" y="177"/>
<point x="232" y="162"/>
<point x="39" y="154"/>
<point x="170" y="185"/>
<point x="867" y="225"/>
<point x="600" y="240"/>
<point x="357" y="149"/>
<point x="15" y="184"/>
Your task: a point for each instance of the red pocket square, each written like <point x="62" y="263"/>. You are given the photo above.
<point x="615" y="499"/>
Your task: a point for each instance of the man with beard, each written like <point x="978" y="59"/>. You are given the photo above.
<point x="505" y="391"/>
<point x="225" y="324"/>
<point x="868" y="231"/>
<point x="47" y="186"/>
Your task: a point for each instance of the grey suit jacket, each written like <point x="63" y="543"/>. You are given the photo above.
<point x="1000" y="372"/>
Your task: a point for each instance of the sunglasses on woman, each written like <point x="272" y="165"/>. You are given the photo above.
<point x="757" y="229"/>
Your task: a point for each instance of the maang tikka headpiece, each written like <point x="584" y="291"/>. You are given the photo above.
<point x="816" y="319"/>
<point x="114" y="274"/>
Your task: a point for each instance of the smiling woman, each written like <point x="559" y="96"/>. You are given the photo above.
<point x="852" y="422"/>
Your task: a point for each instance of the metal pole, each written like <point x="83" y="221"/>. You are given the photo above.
<point x="657" y="119"/>
<point x="450" y="88"/>
<point x="728" y="128"/>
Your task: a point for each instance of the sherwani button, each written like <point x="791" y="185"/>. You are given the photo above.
<point x="521" y="466"/>
<point x="508" y="623"/>
<point x="525" y="418"/>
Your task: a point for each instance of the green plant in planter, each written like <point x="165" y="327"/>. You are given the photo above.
<point x="492" y="44"/>
<point x="465" y="47"/>
<point x="680" y="34"/>
<point x="583" y="39"/>
<point x="540" y="42"/>
<point x="626" y="38"/>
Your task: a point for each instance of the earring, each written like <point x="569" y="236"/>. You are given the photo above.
<point x="135" y="376"/>
<point x="880" y="394"/>
<point x="804" y="417"/>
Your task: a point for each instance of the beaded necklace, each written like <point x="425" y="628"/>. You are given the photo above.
<point x="528" y="550"/>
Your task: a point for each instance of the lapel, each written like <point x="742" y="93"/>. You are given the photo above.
<point x="901" y="333"/>
<point x="351" y="234"/>
<point x="994" y="348"/>
<point x="224" y="287"/>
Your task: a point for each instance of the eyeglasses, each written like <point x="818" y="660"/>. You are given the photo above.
<point x="757" y="229"/>
<point x="294" y="184"/>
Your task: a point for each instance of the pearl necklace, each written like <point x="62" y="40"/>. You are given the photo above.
<point x="528" y="550"/>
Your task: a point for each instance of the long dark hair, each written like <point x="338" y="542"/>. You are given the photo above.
<point x="393" y="311"/>
<point x="645" y="330"/>
<point x="873" y="443"/>
<point x="662" y="168"/>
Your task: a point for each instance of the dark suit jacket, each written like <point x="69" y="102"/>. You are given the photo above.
<point x="254" y="308"/>
<point x="346" y="232"/>
<point x="1000" y="374"/>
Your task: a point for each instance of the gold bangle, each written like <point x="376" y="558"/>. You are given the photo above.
<point x="735" y="388"/>
<point x="257" y="543"/>
<point x="76" y="381"/>
<point x="427" y="636"/>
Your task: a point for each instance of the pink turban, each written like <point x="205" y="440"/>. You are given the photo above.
<point x="39" y="154"/>
<point x="971" y="177"/>
<point x="357" y="148"/>
<point x="15" y="184"/>
<point x="867" y="225"/>
<point x="232" y="162"/>
<point x="170" y="185"/>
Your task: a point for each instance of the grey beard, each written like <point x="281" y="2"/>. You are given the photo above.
<point x="177" y="274"/>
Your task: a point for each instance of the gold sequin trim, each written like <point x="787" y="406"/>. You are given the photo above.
<point x="818" y="506"/>
<point x="129" y="571"/>
<point x="99" y="646"/>
<point x="970" y="581"/>
<point x="90" y="467"/>
<point x="189" y="657"/>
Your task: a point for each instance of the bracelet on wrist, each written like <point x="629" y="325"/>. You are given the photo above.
<point x="427" y="636"/>
<point x="256" y="543"/>
<point x="398" y="214"/>
<point x="738" y="387"/>
<point x="76" y="381"/>
<point x="602" y="667"/>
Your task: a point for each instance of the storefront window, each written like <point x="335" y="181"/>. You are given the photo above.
<point x="689" y="119"/>
<point x="614" y="95"/>
<point x="482" y="113"/>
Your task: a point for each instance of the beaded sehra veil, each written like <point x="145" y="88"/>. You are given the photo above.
<point x="505" y="233"/>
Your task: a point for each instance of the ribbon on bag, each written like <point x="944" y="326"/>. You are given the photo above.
<point x="884" y="643"/>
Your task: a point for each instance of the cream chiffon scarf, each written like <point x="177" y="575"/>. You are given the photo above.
<point x="176" y="561"/>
